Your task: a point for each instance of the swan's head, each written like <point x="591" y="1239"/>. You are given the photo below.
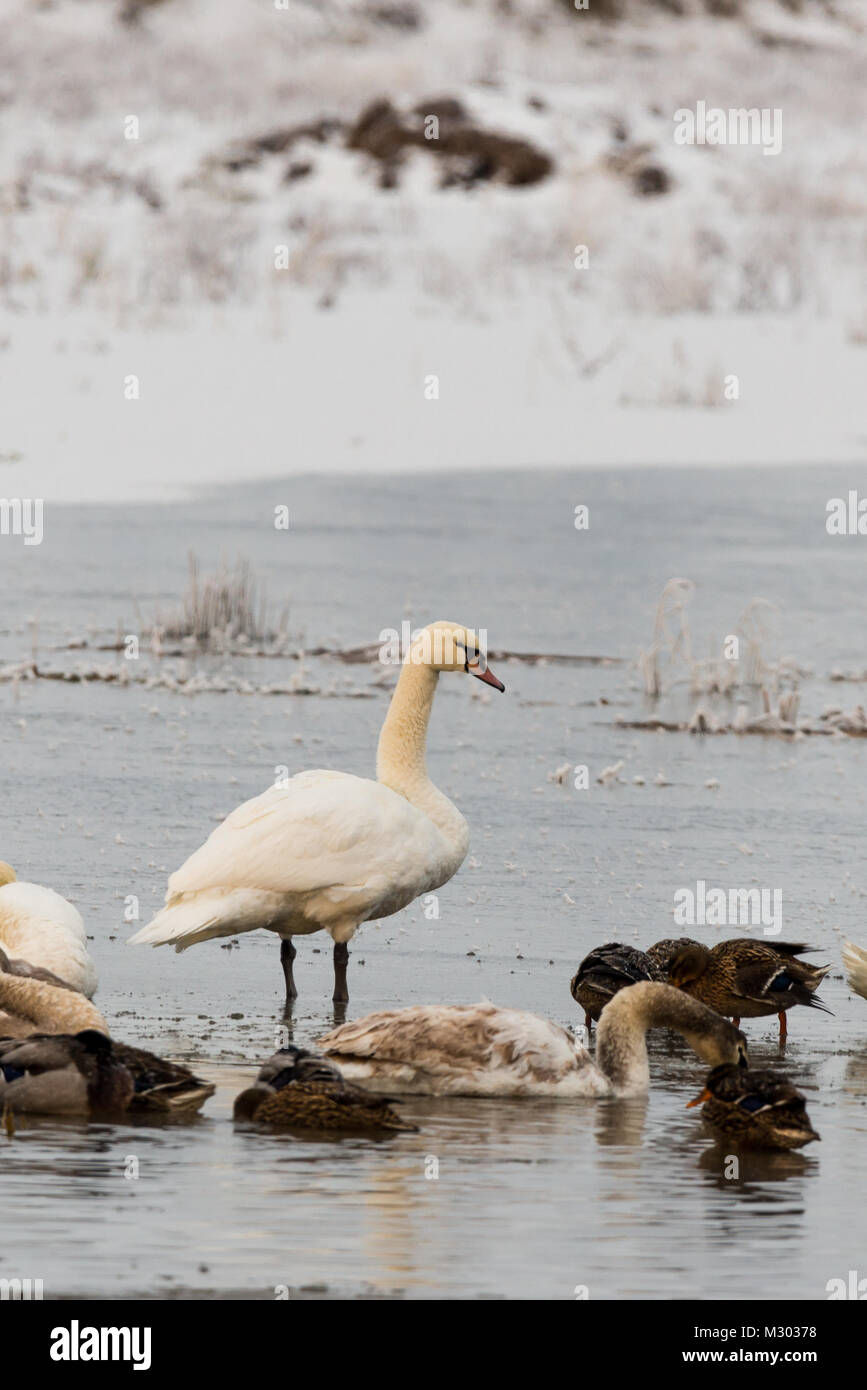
<point x="448" y="646"/>
<point x="718" y="1042"/>
<point x="7" y="874"/>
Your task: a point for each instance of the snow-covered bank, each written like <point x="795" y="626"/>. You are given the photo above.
<point x="344" y="392"/>
<point x="246" y="289"/>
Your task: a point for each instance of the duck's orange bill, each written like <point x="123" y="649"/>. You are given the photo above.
<point x="699" y="1100"/>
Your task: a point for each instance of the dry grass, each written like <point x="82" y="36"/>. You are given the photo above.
<point x="672" y="640"/>
<point x="219" y="610"/>
<point x="670" y="657"/>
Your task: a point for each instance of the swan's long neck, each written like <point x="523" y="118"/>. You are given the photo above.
<point x="621" y="1045"/>
<point x="48" y="1008"/>
<point x="400" y="757"/>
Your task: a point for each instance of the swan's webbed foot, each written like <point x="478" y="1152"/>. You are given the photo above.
<point x="287" y="956"/>
<point x="341" y="960"/>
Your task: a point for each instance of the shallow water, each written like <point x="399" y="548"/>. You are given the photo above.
<point x="110" y="788"/>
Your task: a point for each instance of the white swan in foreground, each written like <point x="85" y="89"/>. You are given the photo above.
<point x="480" y="1050"/>
<point x="40" y="927"/>
<point x="327" y="850"/>
<point x="855" y="961"/>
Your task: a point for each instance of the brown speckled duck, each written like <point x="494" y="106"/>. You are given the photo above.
<point x="297" y="1089"/>
<point x="742" y="978"/>
<point x="757" y="1109"/>
<point x="662" y="953"/>
<point x="603" y="971"/>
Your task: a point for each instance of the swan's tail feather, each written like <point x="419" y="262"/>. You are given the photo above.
<point x="197" y="917"/>
<point x="855" y="961"/>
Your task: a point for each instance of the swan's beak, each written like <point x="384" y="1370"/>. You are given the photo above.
<point x="485" y="674"/>
<point x="699" y="1100"/>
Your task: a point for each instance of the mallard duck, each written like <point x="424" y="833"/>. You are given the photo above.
<point x="297" y="1089"/>
<point x="757" y="1108"/>
<point x="604" y="971"/>
<point x="855" y="961"/>
<point x="480" y="1050"/>
<point x="36" y="1007"/>
<point x="88" y="1073"/>
<point x="56" y="1074"/>
<point x="40" y="927"/>
<point x="749" y="979"/>
<point x="161" y="1085"/>
<point x="662" y="953"/>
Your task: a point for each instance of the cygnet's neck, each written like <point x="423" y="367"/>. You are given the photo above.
<point x="400" y="758"/>
<point x="48" y="1008"/>
<point x="621" y="1045"/>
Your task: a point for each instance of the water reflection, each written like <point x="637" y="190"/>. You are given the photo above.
<point x="626" y="1196"/>
<point x="736" y="1169"/>
<point x="621" y="1122"/>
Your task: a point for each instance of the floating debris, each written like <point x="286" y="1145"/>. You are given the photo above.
<point x="609" y="775"/>
<point x="177" y="682"/>
<point x="560" y="773"/>
<point x="852" y="723"/>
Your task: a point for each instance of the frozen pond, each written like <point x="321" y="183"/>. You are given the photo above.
<point x="109" y="787"/>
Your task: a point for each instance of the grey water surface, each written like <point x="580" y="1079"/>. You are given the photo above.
<point x="108" y="787"/>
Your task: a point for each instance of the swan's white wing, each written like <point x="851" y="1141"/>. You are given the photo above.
<point x="855" y="961"/>
<point x="39" y="926"/>
<point x="323" y="830"/>
<point x="327" y="850"/>
<point x="473" y="1049"/>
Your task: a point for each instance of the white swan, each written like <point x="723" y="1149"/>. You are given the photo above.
<point x="480" y="1050"/>
<point x="328" y="850"/>
<point x="40" y="927"/>
<point x="855" y="961"/>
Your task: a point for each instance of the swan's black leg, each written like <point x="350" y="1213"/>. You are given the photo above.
<point x="287" y="956"/>
<point x="341" y="959"/>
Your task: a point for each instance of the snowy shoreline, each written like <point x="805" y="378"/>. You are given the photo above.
<point x="243" y="291"/>
<point x="217" y="407"/>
